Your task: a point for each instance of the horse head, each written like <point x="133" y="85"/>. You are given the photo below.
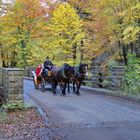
<point x="83" y="69"/>
<point x="68" y="71"/>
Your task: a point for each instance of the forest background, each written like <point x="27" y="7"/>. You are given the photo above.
<point x="98" y="32"/>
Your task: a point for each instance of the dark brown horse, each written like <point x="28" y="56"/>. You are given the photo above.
<point x="81" y="72"/>
<point x="62" y="76"/>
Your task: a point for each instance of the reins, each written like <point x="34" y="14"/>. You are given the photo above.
<point x="63" y="73"/>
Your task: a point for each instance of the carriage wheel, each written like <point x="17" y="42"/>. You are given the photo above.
<point x="35" y="83"/>
<point x="43" y="83"/>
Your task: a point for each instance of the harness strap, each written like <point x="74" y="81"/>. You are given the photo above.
<point x="77" y="71"/>
<point x="63" y="73"/>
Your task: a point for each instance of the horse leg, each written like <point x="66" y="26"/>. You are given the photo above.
<point x="74" y="86"/>
<point x="64" y="89"/>
<point x="61" y="87"/>
<point x="56" y="85"/>
<point x="54" y="88"/>
<point x="68" y="84"/>
<point x="78" y="84"/>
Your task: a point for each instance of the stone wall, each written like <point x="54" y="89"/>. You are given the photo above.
<point x="117" y="75"/>
<point x="12" y="82"/>
<point x="98" y="75"/>
<point x="112" y="77"/>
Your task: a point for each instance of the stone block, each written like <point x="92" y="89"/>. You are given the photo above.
<point x="13" y="83"/>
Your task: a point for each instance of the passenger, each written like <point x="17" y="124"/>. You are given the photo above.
<point x="39" y="70"/>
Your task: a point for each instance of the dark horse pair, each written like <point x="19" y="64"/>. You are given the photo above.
<point x="81" y="72"/>
<point x="65" y="74"/>
<point x="62" y="76"/>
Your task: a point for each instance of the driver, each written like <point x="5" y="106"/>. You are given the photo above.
<point x="47" y="66"/>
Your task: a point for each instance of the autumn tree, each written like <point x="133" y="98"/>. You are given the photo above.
<point x="4" y="7"/>
<point x="123" y="24"/>
<point x="70" y="30"/>
<point x="21" y="25"/>
<point x="111" y="25"/>
<point x="65" y="34"/>
<point x="131" y="34"/>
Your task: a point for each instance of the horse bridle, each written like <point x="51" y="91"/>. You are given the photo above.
<point x="81" y="74"/>
<point x="63" y="72"/>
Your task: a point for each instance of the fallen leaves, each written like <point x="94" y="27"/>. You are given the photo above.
<point x="25" y="124"/>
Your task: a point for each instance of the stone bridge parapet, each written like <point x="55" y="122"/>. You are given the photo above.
<point x="11" y="81"/>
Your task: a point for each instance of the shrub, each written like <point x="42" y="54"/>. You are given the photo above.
<point x="132" y="75"/>
<point x="19" y="105"/>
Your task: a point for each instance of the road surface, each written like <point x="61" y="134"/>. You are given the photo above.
<point x="89" y="116"/>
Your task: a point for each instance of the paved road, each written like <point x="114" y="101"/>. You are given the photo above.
<point x="89" y="116"/>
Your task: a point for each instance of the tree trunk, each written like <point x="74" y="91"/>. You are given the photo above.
<point x="3" y="60"/>
<point x="124" y="50"/>
<point x="132" y="47"/>
<point x="74" y="53"/>
<point x="137" y="49"/>
<point x="13" y="62"/>
<point x="81" y="51"/>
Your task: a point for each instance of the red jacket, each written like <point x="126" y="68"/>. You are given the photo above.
<point x="38" y="70"/>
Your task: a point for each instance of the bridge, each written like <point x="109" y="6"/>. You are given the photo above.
<point x="86" y="117"/>
<point x="89" y="116"/>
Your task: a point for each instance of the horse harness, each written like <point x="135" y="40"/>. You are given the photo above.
<point x="78" y="72"/>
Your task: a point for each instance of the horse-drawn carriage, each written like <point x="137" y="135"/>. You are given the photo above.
<point x="61" y="76"/>
<point x="40" y="78"/>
